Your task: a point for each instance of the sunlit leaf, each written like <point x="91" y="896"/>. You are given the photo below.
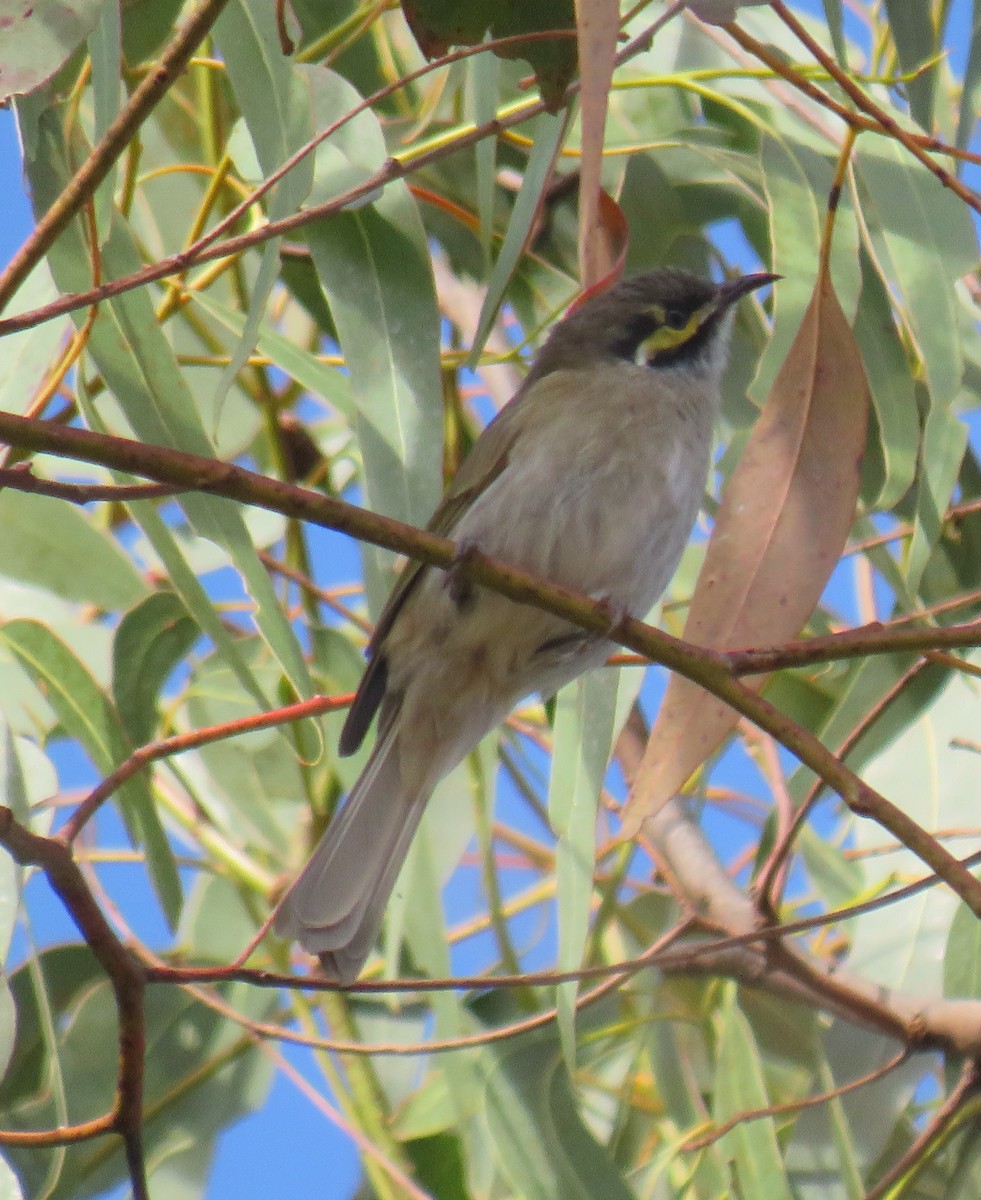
<point x="740" y="1088"/>
<point x="51" y="545"/>
<point x="38" y="38"/>
<point x="85" y="713"/>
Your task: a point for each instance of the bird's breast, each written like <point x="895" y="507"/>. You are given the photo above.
<point x="601" y="499"/>
<point x="604" y="498"/>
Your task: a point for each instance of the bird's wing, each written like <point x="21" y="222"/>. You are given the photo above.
<point x="485" y="462"/>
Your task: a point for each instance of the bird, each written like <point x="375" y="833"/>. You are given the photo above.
<point x="592" y="477"/>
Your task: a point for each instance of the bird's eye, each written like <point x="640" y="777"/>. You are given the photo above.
<point x="675" y="318"/>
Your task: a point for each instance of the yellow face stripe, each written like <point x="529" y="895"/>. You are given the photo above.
<point x="666" y="338"/>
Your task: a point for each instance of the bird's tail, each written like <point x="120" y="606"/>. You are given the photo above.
<point x="335" y="907"/>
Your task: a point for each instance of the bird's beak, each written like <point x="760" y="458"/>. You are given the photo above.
<point x="730" y="292"/>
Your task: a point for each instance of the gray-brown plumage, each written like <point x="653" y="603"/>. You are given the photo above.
<point x="592" y="477"/>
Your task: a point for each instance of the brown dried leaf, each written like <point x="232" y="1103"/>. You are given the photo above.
<point x="597" y="27"/>
<point x="780" y="530"/>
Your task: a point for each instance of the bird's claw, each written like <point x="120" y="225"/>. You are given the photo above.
<point x="459" y="587"/>
<point x="616" y="615"/>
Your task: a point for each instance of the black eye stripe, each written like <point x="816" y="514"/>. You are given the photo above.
<point x="632" y="334"/>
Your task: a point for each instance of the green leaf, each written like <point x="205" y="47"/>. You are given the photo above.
<point x="862" y="690"/>
<point x="86" y="714"/>
<point x="251" y="776"/>
<point x="922" y="238"/>
<point x="150" y="641"/>
<point x="740" y="1088"/>
<point x="83" y="710"/>
<point x="962" y="957"/>
<point x="871" y="1112"/>
<point x="352" y="153"/>
<point x="944" y="440"/>
<point x="541" y="1143"/>
<point x="837" y="880"/>
<point x="439" y="24"/>
<point x="197" y="601"/>
<point x="38" y="38"/>
<point x="104" y="46"/>
<point x="547" y="132"/>
<point x="439" y="1166"/>
<point x="896" y="421"/>
<point x="416" y="912"/>
<point x="843" y="1170"/>
<point x="926" y="775"/>
<point x="967" y="119"/>
<point x="835" y="18"/>
<point x="277" y="113"/>
<point x="916" y="42"/>
<point x="583" y="740"/>
<point x="8" y="1019"/>
<point x="797" y="181"/>
<point x="216" y="924"/>
<point x="374" y="269"/>
<point x="140" y="368"/>
<point x="145" y="25"/>
<point x="483" y="94"/>
<point x="202" y="1074"/>
<point x="327" y="382"/>
<point x="50" y="544"/>
<point x="27" y="355"/>
<point x="45" y="989"/>
<point x="13" y="795"/>
<point x="268" y="94"/>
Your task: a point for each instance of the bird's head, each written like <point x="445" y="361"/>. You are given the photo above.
<point x="665" y="318"/>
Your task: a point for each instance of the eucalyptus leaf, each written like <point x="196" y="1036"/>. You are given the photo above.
<point x="38" y="38"/>
<point x="583" y="740"/>
<point x="374" y="269"/>
<point x="740" y="1087"/>
<point x="542" y="1144"/>
<point x="51" y="545"/>
<point x="86" y="713"/>
<point x="932" y="780"/>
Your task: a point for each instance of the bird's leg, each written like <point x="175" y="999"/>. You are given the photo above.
<point x="461" y="589"/>
<point x="616" y="614"/>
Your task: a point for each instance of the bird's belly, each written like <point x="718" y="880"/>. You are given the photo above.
<point x="611" y="522"/>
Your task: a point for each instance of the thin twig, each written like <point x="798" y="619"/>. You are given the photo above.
<point x="166" y="747"/>
<point x="124" y="972"/>
<point x="794" y="1106"/>
<point x="916" y="1155"/>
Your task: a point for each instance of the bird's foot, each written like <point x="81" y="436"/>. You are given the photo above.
<point x="462" y="590"/>
<point x="617" y="616"/>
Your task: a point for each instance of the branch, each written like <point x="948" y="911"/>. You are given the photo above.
<point x="127" y="978"/>
<point x="756" y="954"/>
<point x="877" y="119"/>
<point x="878" y="638"/>
<point x="708" y="668"/>
<point x="715" y="1132"/>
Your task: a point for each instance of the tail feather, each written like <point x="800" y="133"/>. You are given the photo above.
<point x="335" y="907"/>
